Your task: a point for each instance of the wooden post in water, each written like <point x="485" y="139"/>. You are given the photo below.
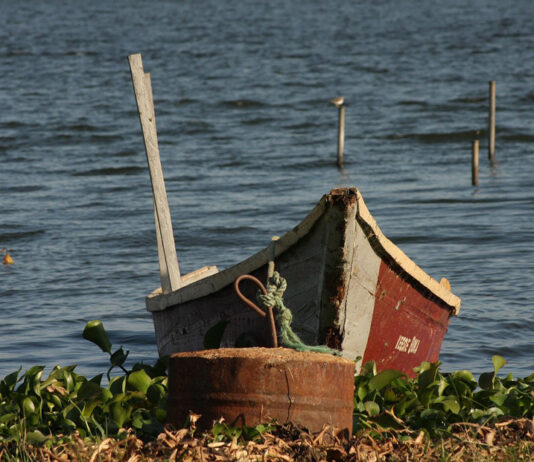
<point x="168" y="261"/>
<point x="491" y="123"/>
<point x="339" y="102"/>
<point x="474" y="164"/>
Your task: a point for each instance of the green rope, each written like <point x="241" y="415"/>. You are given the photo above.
<point x="276" y="287"/>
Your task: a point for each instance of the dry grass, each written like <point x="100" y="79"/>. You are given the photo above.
<point x="502" y="441"/>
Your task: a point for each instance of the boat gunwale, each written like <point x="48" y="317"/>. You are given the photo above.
<point x="211" y="283"/>
<point x="402" y="260"/>
<point x="158" y="301"/>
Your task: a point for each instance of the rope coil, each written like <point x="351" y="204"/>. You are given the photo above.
<point x="273" y="299"/>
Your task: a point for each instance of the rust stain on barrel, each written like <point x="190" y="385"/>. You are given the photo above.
<point x="248" y="386"/>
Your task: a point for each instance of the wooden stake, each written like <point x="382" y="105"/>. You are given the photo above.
<point x="474" y="164"/>
<point x="272" y="254"/>
<point x="339" y="102"/>
<point x="270" y="273"/>
<point x="169" y="270"/>
<point x="491" y="124"/>
<point x="341" y="136"/>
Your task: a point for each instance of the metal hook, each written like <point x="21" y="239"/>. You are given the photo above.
<point x="255" y="307"/>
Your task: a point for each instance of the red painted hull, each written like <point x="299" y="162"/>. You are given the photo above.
<point x="407" y="328"/>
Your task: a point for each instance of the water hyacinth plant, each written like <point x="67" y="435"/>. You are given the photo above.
<point x="47" y="411"/>
<point x="38" y="410"/>
<point x="434" y="401"/>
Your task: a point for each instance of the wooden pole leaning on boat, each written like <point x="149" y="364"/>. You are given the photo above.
<point x="168" y="261"/>
<point x="164" y="269"/>
<point x="339" y="102"/>
<point x="491" y="122"/>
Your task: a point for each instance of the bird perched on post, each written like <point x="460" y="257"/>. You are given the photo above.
<point x="338" y="102"/>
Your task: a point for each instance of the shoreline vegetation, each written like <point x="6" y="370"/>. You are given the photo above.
<point x="435" y="416"/>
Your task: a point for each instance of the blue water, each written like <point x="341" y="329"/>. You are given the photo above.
<point x="248" y="145"/>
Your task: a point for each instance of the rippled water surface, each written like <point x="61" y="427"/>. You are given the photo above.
<point x="248" y="145"/>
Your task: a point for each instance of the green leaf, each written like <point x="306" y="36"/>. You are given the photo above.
<point x="371" y="408"/>
<point x="139" y="380"/>
<point x="117" y="385"/>
<point x="89" y="408"/>
<point x="464" y="375"/>
<point x="494" y="411"/>
<point x="56" y="400"/>
<point x="434" y="416"/>
<point x="498" y="363"/>
<point x="477" y="414"/>
<point x="250" y="433"/>
<point x="94" y="332"/>
<point x="428" y="376"/>
<point x="264" y="427"/>
<point x="137" y="422"/>
<point x="362" y="391"/>
<point x="426" y="397"/>
<point x="451" y="405"/>
<point x="10" y="417"/>
<point x="106" y="394"/>
<point x="118" y="358"/>
<point x="219" y="431"/>
<point x="35" y="437"/>
<point x="369" y="369"/>
<point x="8" y="383"/>
<point x="213" y="337"/>
<point x="498" y="398"/>
<point x="28" y="406"/>
<point x="462" y="389"/>
<point x="387" y="421"/>
<point x="69" y="380"/>
<point x="119" y="413"/>
<point x="442" y="386"/>
<point x="486" y="380"/>
<point x="68" y="424"/>
<point x="405" y="406"/>
<point x="424" y="366"/>
<point x="390" y="396"/>
<point x="160" y="414"/>
<point x="34" y="372"/>
<point x="89" y="391"/>
<point x="155" y="393"/>
<point x="383" y="378"/>
<point x="97" y="379"/>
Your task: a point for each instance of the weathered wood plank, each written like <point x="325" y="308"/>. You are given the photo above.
<point x="358" y="307"/>
<point x="164" y="270"/>
<point x="169" y="270"/>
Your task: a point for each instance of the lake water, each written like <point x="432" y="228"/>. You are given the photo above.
<point x="248" y="146"/>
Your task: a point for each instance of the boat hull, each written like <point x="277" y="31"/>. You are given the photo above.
<point x="348" y="287"/>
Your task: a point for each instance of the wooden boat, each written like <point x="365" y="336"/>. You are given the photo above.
<point x="348" y="286"/>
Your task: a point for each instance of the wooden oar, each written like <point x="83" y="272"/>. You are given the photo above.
<point x="168" y="261"/>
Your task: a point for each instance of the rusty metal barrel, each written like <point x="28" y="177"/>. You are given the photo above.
<point x="249" y="386"/>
